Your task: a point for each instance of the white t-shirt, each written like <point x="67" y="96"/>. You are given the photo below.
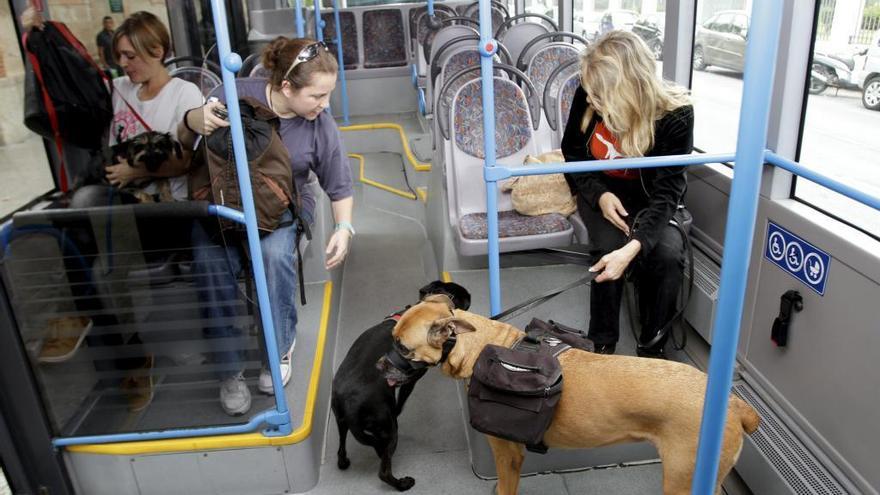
<point x="163" y="113"/>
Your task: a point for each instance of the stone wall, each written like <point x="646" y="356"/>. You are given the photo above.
<point x="83" y="17"/>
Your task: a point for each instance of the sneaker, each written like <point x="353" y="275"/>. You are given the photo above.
<point x="64" y="336"/>
<point x="265" y="384"/>
<point x="235" y="397"/>
<point x="139" y="387"/>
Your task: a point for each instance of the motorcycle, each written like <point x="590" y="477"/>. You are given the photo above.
<point x="832" y="70"/>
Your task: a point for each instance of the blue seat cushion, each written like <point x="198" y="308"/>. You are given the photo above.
<point x="512" y="224"/>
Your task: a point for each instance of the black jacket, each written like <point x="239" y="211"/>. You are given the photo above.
<point x="673" y="135"/>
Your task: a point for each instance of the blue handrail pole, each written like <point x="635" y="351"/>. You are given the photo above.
<point x="319" y="23"/>
<point x="300" y="25"/>
<point x="823" y="180"/>
<point x="339" y="58"/>
<point x="431" y="8"/>
<point x="488" y="47"/>
<point x="742" y="211"/>
<point x="231" y="62"/>
<point x="144" y="436"/>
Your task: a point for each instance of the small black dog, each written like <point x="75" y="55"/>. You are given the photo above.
<point x="149" y="150"/>
<point x="362" y="400"/>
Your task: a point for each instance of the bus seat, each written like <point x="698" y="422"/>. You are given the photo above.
<point x="515" y="127"/>
<point x="419" y="34"/>
<point x="443" y="37"/>
<point x="516" y="33"/>
<point x="349" y="37"/>
<point x="385" y="25"/>
<point x="539" y="67"/>
<point x="499" y="13"/>
<point x="558" y="95"/>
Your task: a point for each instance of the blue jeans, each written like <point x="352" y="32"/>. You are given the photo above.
<point x="217" y="267"/>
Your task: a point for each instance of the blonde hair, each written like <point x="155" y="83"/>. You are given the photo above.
<point x="279" y="55"/>
<point x="147" y="35"/>
<point x="619" y="75"/>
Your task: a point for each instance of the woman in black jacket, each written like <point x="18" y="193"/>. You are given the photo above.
<point x="623" y="110"/>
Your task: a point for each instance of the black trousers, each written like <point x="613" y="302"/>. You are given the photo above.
<point x="657" y="275"/>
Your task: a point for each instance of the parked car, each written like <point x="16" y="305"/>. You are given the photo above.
<point x="721" y="41"/>
<point x="650" y="29"/>
<point x="617" y="19"/>
<point x="868" y="76"/>
<point x="587" y="25"/>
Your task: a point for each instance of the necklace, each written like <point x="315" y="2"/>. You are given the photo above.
<point x="272" y="105"/>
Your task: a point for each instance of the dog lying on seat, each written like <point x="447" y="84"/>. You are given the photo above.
<point x="148" y="150"/>
<point x="606" y="399"/>
<point x="365" y="403"/>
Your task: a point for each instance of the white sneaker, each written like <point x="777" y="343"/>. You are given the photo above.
<point x="235" y="396"/>
<point x="265" y="384"/>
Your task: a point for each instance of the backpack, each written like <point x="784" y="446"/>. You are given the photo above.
<point x="272" y="181"/>
<point x="66" y="95"/>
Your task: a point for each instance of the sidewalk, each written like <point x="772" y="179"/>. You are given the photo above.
<point x="24" y="175"/>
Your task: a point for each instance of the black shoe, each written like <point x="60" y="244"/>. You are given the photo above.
<point x="651" y="352"/>
<point x="603" y="348"/>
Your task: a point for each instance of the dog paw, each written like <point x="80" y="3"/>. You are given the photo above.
<point x="405" y="483"/>
<point x="343" y="463"/>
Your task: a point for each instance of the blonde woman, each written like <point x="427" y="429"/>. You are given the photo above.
<point x="623" y="110"/>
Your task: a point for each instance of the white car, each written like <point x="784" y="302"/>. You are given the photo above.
<point x="868" y="76"/>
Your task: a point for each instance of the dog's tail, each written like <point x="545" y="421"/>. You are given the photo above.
<point x="748" y="416"/>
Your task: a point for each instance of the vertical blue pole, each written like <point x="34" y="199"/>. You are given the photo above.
<point x="488" y="47"/>
<point x="231" y="62"/>
<point x="742" y="209"/>
<point x="319" y="23"/>
<point x="341" y="60"/>
<point x="300" y="25"/>
<point x="430" y="8"/>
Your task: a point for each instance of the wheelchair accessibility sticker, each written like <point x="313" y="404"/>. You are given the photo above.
<point x="798" y="257"/>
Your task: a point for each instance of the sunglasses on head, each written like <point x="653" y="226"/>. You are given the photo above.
<point x="306" y="54"/>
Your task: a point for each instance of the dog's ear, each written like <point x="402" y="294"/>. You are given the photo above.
<point x="444" y="328"/>
<point x="440" y="298"/>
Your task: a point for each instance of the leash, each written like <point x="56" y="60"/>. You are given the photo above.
<point x="537" y="301"/>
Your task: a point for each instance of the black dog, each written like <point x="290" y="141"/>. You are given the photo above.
<point x="362" y="400"/>
<point x="148" y="150"/>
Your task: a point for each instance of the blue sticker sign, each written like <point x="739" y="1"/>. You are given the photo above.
<point x="798" y="257"/>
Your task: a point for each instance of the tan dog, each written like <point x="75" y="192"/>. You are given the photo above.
<point x="606" y="399"/>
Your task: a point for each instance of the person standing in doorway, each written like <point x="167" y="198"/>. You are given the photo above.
<point x="104" y="40"/>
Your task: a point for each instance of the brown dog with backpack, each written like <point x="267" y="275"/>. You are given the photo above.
<point x="604" y="399"/>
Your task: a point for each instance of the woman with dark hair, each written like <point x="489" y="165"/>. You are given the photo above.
<point x="622" y="109"/>
<point x="302" y="75"/>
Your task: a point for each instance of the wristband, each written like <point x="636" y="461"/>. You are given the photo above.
<point x="345" y="225"/>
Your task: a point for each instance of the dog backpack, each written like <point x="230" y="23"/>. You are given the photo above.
<point x="513" y="392"/>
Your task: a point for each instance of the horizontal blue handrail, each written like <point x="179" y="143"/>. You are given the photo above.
<point x="823" y="180"/>
<point x="227" y="213"/>
<point x="250" y="426"/>
<point x="500" y="172"/>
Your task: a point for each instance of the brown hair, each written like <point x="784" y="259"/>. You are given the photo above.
<point x="147" y="35"/>
<point x="280" y="54"/>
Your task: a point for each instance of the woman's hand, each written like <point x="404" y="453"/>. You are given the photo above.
<point x="203" y="120"/>
<point x="613" y="211"/>
<point x="614" y="264"/>
<point x="121" y="174"/>
<point x="31" y="17"/>
<point x="337" y="248"/>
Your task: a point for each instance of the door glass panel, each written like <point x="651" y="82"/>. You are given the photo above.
<point x="25" y="172"/>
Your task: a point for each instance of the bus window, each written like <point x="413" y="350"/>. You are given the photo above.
<point x="840" y="128"/>
<point x="25" y="173"/>
<point x="716" y="83"/>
